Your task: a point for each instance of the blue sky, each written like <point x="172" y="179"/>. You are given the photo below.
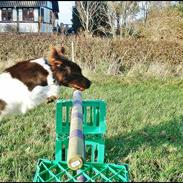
<point x="65" y="14"/>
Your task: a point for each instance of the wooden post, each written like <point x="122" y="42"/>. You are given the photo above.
<point x="72" y="51"/>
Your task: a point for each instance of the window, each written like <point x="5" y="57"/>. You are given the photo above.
<point x="28" y="14"/>
<point x="7" y="14"/>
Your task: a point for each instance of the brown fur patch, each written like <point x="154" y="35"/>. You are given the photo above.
<point x="2" y="105"/>
<point x="30" y="73"/>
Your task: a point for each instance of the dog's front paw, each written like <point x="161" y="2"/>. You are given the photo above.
<point x="51" y="99"/>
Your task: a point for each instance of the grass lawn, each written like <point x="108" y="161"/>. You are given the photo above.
<point x="144" y="129"/>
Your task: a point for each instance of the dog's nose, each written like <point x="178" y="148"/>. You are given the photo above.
<point x="88" y="83"/>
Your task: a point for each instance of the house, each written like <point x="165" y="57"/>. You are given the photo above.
<point x="28" y="16"/>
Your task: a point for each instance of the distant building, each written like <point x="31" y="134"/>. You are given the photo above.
<point x="28" y="16"/>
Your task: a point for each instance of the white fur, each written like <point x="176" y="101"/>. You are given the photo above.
<point x="52" y="88"/>
<point x="17" y="96"/>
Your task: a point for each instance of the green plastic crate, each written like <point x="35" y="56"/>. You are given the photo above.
<point x="53" y="171"/>
<point x="94" y="146"/>
<point x="94" y="116"/>
<point x="94" y="127"/>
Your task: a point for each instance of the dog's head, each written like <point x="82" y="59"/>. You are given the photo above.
<point x="66" y="72"/>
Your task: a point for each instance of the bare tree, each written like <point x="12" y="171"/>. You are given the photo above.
<point x="126" y="11"/>
<point x="110" y="11"/>
<point x="118" y="14"/>
<point x="115" y="14"/>
<point x="145" y="7"/>
<point x="87" y="12"/>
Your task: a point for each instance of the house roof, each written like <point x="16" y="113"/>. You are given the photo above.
<point x="22" y="3"/>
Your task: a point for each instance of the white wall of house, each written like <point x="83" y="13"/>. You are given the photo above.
<point x="46" y="28"/>
<point x="20" y="13"/>
<point x="23" y="27"/>
<point x="28" y="27"/>
<point x="14" y="14"/>
<point x="7" y="26"/>
<point x="36" y="16"/>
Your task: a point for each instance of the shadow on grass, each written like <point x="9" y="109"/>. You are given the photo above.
<point x="167" y="132"/>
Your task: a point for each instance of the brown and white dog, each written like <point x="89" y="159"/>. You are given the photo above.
<point x="30" y="83"/>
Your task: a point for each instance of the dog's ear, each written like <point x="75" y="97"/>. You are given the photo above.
<point x="62" y="51"/>
<point x="54" y="56"/>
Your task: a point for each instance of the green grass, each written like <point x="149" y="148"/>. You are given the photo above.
<point x="144" y="129"/>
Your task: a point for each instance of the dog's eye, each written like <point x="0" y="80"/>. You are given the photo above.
<point x="59" y="65"/>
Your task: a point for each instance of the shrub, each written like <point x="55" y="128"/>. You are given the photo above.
<point x="96" y="54"/>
